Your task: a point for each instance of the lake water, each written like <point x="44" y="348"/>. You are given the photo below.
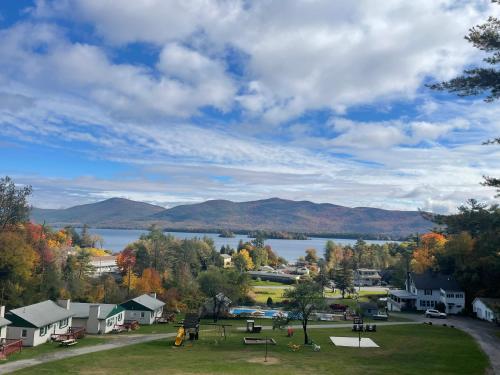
<point x="117" y="239"/>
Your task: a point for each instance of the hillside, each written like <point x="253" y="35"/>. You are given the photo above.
<point x="270" y="214"/>
<point x="114" y="212"/>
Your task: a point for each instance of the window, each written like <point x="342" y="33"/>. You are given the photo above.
<point x="63" y="323"/>
<point x="43" y="331"/>
<point x="110" y="322"/>
<point x="24" y="333"/>
<point x="120" y="316"/>
<point x="143" y="314"/>
<point x="433" y="303"/>
<point x="422" y="303"/>
<point x="428" y="292"/>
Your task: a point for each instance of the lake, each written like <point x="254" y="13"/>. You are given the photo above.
<point x="117" y="239"/>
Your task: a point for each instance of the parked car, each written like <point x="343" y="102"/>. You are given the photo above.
<point x="431" y="313"/>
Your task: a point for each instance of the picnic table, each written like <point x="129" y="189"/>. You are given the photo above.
<point x="68" y="342"/>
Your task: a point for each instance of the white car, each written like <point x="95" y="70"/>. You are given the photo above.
<point x="431" y="313"/>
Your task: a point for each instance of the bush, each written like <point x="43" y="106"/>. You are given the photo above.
<point x="269" y="301"/>
<point x="441" y="307"/>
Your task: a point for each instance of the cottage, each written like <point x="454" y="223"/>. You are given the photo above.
<point x="273" y="276"/>
<point x="145" y="309"/>
<point x="425" y="291"/>
<point x="227" y="261"/>
<point x="3" y="324"/>
<point x="487" y="308"/>
<point x="97" y="318"/>
<point x="34" y="324"/>
<point x="366" y="277"/>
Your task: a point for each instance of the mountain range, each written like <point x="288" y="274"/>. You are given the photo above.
<point x="272" y="214"/>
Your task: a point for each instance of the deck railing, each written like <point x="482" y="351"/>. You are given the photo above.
<point x="10" y="346"/>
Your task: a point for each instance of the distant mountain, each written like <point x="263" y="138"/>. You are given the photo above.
<point x="270" y="214"/>
<point x="114" y="212"/>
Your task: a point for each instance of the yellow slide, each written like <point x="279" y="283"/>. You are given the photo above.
<point x="180" y="336"/>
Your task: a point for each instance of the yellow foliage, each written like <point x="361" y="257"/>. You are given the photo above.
<point x="150" y="281"/>
<point x="95" y="252"/>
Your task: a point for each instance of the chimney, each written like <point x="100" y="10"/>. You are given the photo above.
<point x="64" y="303"/>
<point x="152" y="295"/>
<point x="94" y="311"/>
<point x="2" y="311"/>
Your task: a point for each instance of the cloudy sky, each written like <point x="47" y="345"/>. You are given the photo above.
<point x="175" y="102"/>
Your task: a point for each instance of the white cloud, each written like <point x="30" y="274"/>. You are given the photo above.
<point x="294" y="59"/>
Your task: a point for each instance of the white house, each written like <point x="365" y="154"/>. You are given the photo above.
<point x="35" y="323"/>
<point x="424" y="291"/>
<point x="366" y="277"/>
<point x="487" y="308"/>
<point x="97" y="318"/>
<point x="104" y="264"/>
<point x="145" y="309"/>
<point x="3" y="324"/>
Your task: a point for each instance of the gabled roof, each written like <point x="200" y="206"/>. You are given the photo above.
<point x="81" y="310"/>
<point x="41" y="314"/>
<point x="433" y="280"/>
<point x="148" y="302"/>
<point x="492" y="303"/>
<point x="4" y="322"/>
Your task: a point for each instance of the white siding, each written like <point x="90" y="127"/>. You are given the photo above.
<point x="482" y="311"/>
<point x="34" y="336"/>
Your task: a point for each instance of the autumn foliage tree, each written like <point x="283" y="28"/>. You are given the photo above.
<point x="429" y="248"/>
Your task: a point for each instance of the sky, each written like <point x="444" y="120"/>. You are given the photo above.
<point x="175" y="102"/>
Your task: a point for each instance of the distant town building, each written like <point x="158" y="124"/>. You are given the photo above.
<point x="273" y="276"/>
<point x="104" y="264"/>
<point x="227" y="261"/>
<point x="366" y="277"/>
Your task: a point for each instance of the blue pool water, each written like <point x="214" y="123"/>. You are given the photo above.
<point x="267" y="313"/>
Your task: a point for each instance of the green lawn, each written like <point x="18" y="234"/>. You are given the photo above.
<point x="262" y="294"/>
<point x="49" y="348"/>
<point x="412" y="349"/>
<point x="267" y="283"/>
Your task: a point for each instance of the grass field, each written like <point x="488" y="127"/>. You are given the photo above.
<point x="267" y="283"/>
<point x="48" y="348"/>
<point x="411" y="349"/>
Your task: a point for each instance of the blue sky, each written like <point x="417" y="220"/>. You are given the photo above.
<point x="174" y="102"/>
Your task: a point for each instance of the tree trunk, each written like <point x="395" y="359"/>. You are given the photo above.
<point x="215" y="309"/>
<point x="304" y="327"/>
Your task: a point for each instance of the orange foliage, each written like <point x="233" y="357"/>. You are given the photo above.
<point x="150" y="281"/>
<point x="424" y="257"/>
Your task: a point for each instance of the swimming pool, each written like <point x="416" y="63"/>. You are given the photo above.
<point x="249" y="311"/>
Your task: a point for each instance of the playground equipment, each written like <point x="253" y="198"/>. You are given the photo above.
<point x="252" y="328"/>
<point x="190" y="326"/>
<point x="181" y="334"/>
<point x="280" y="320"/>
<point x="258" y="341"/>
